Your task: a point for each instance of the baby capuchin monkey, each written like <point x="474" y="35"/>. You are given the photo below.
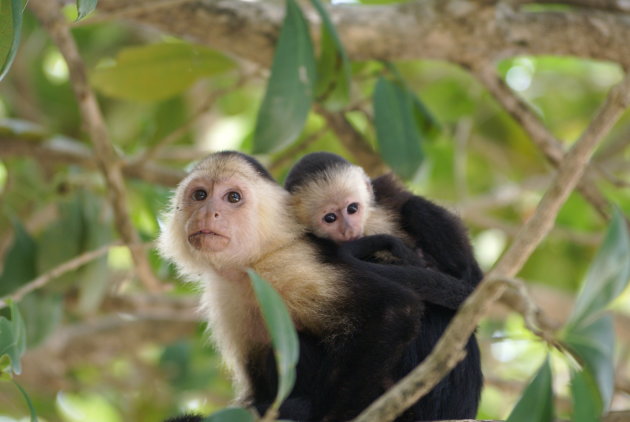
<point x="354" y="321"/>
<point x="335" y="199"/>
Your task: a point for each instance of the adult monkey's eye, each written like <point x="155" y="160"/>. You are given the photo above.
<point x="199" y="195"/>
<point x="233" y="197"/>
<point x="330" y="218"/>
<point x="352" y="208"/>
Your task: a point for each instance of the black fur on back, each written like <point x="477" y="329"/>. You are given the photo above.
<point x="438" y="232"/>
<point x="442" y="237"/>
<point x="309" y="166"/>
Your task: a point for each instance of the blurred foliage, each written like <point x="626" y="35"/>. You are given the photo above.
<point x="154" y="88"/>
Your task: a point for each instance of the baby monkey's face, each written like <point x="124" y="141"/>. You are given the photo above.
<point x="341" y="220"/>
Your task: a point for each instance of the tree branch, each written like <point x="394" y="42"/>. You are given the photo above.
<point x="458" y="31"/>
<point x="355" y="143"/>
<point x="449" y="350"/>
<point x="287" y="156"/>
<point x="607" y="5"/>
<point x="99" y="340"/>
<point x="58" y="271"/>
<point x="109" y="163"/>
<point x="538" y="133"/>
<point x="67" y="151"/>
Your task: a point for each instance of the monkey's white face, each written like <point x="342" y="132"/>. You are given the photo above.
<point x="341" y="220"/>
<point x="218" y="215"/>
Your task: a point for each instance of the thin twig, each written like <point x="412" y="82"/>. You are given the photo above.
<point x="69" y="151"/>
<point x="450" y="348"/>
<point x="109" y="163"/>
<point x="56" y="272"/>
<point x="517" y="298"/>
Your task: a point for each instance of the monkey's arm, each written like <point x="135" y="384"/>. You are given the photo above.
<point x="432" y="286"/>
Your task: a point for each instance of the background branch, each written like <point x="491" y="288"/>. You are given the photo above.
<point x="67" y="151"/>
<point x="58" y="271"/>
<point x="541" y="136"/>
<point x="108" y="162"/>
<point x="355" y="143"/>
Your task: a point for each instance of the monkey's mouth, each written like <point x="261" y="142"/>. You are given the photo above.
<point x="206" y="239"/>
<point x="204" y="233"/>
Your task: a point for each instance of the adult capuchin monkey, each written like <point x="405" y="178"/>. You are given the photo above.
<point x="335" y="199"/>
<point x="354" y="321"/>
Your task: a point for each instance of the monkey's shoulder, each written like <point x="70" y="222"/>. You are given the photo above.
<point x="311" y="285"/>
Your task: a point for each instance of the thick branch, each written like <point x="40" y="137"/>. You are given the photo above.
<point x="569" y="173"/>
<point x="608" y="5"/>
<point x="459" y="31"/>
<point x="450" y="349"/>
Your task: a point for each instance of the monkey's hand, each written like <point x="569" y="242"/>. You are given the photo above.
<point x="370" y="246"/>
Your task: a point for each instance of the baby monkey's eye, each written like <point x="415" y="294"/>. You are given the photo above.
<point x="352" y="208"/>
<point x="233" y="197"/>
<point x="330" y="218"/>
<point x="199" y="195"/>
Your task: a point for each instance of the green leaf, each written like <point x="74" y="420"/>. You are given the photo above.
<point x="593" y="343"/>
<point x="289" y="93"/>
<point x="235" y="414"/>
<point x="333" y="67"/>
<point x="10" y="29"/>
<point x="397" y="133"/>
<point x="428" y="126"/>
<point x="20" y="261"/>
<point x="159" y="71"/>
<point x="85" y="7"/>
<point x="589" y="334"/>
<point x="282" y="332"/>
<point x="28" y="401"/>
<point x="5" y="368"/>
<point x="536" y="403"/>
<point x="607" y="276"/>
<point x="43" y="313"/>
<point x="587" y="405"/>
<point x="13" y="338"/>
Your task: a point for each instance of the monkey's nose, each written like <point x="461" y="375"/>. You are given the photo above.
<point x="349" y="235"/>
